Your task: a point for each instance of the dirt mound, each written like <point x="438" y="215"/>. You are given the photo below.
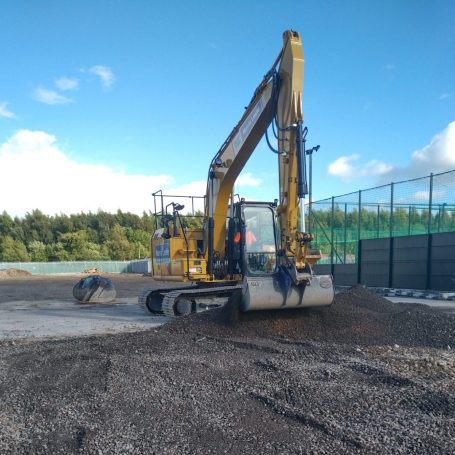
<point x="12" y="273"/>
<point x="356" y="316"/>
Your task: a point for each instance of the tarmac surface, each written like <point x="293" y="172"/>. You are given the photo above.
<point x="446" y="306"/>
<point x="43" y="306"/>
<point x="54" y="318"/>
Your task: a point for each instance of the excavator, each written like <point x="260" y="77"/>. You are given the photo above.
<point x="253" y="252"/>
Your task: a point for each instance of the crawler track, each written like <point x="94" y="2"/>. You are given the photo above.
<point x="164" y="301"/>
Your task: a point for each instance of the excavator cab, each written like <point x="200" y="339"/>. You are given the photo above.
<point x="254" y="238"/>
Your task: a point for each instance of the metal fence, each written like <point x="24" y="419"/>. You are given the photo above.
<point x="424" y="205"/>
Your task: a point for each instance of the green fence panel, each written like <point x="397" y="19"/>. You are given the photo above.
<point x="418" y="206"/>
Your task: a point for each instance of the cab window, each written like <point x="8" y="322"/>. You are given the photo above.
<point x="260" y="246"/>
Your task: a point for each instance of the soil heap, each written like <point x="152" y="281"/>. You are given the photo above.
<point x="12" y="273"/>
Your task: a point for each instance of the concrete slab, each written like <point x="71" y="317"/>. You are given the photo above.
<point x="63" y="318"/>
<point x="447" y="306"/>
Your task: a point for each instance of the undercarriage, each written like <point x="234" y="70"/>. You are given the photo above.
<point x="174" y="302"/>
<point x="257" y="293"/>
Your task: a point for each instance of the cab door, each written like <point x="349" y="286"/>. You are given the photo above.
<point x="259" y="239"/>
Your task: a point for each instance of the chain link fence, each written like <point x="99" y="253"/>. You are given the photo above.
<point x="419" y="206"/>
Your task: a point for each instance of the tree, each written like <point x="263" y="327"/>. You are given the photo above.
<point x="13" y="250"/>
<point x="6" y="224"/>
<point x="37" y="251"/>
<point x="79" y="248"/>
<point x="37" y="226"/>
<point x="82" y="236"/>
<point x="56" y="252"/>
<point x="118" y="245"/>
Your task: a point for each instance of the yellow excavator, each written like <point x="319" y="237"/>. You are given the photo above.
<point x="253" y="250"/>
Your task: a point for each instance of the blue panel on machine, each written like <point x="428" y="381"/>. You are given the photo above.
<point x="162" y="252"/>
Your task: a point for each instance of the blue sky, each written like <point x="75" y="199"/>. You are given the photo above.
<point x="103" y="102"/>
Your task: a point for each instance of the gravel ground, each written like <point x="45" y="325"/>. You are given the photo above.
<point x="363" y="376"/>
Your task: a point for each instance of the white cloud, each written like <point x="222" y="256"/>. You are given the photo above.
<point x="437" y="156"/>
<point x="5" y="112"/>
<point x="66" y="83"/>
<point x="423" y="196"/>
<point x="342" y="167"/>
<point x="375" y="167"/>
<point x="35" y="173"/>
<point x="105" y="74"/>
<point x="444" y="96"/>
<point x="46" y="96"/>
<point x="247" y="179"/>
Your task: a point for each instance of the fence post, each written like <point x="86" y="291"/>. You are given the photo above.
<point x="332" y="267"/>
<point x="430" y="203"/>
<point x="391" y="211"/>
<point x="345" y="222"/>
<point x="359" y="220"/>
<point x="409" y="220"/>
<point x="442" y="215"/>
<point x="309" y="215"/>
<point x="439" y="218"/>
<point x="359" y="246"/>
<point x="377" y="223"/>
<point x="391" y="243"/>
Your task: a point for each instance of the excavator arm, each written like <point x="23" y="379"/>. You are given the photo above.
<point x="277" y="99"/>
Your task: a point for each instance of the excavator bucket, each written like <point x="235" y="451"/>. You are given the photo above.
<point x="265" y="293"/>
<point x="94" y="289"/>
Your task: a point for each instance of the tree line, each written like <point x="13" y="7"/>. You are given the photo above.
<point x="97" y="236"/>
<point x="344" y="224"/>
<point x="38" y="237"/>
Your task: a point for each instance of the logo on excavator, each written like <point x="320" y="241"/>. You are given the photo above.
<point x="247" y="126"/>
<point x="325" y="282"/>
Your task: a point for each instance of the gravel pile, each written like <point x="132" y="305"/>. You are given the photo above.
<point x="364" y="376"/>
<point x="357" y="316"/>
